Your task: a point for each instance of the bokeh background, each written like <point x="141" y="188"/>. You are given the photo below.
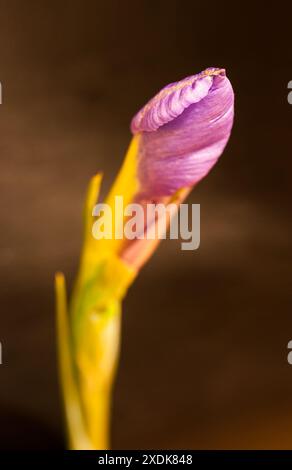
<point x="205" y="333"/>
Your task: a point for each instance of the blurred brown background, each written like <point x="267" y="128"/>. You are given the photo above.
<point x="205" y="333"/>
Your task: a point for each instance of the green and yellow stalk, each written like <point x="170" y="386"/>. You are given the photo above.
<point x="89" y="327"/>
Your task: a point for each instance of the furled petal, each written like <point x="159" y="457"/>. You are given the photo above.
<point x="183" y="131"/>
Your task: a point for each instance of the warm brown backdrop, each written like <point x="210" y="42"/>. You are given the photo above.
<point x="204" y="354"/>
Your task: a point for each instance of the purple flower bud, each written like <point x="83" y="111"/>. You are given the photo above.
<point x="183" y="131"/>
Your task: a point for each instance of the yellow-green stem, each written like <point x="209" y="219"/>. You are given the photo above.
<point x="88" y="330"/>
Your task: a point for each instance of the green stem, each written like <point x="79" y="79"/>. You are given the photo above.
<point x="89" y="336"/>
<point x="88" y="347"/>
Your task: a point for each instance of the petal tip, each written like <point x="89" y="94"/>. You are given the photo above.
<point x="174" y="98"/>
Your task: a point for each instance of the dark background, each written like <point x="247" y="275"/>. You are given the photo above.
<point x="205" y="333"/>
